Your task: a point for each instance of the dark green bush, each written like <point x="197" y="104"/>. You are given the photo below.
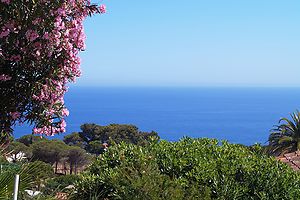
<point x="9" y="167"/>
<point x="59" y="183"/>
<point x="188" y="169"/>
<point x="45" y="170"/>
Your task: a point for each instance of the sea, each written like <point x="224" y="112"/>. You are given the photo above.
<point x="238" y="114"/>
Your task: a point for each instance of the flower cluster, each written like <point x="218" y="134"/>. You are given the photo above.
<point x="4" y="77"/>
<point x="39" y="46"/>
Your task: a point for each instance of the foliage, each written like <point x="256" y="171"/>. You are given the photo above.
<point x="39" y="46"/>
<point x="74" y="139"/>
<point x="77" y="157"/>
<point x="56" y="151"/>
<point x="28" y="179"/>
<point x="45" y="170"/>
<point x="59" y="184"/>
<point x="49" y="151"/>
<point x="9" y="167"/>
<point x="259" y="149"/>
<point x="188" y="169"/>
<point x="285" y="137"/>
<point x="92" y="136"/>
<point x="30" y="139"/>
<point x="14" y="150"/>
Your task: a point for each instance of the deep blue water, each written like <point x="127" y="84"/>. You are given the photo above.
<point x="240" y="115"/>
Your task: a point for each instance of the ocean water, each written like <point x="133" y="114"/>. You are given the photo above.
<point x="239" y="115"/>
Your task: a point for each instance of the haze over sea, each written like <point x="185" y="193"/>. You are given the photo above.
<point x="240" y="115"/>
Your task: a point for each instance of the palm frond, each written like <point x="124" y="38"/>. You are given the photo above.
<point x="285" y="139"/>
<point x="27" y="180"/>
<point x="285" y="136"/>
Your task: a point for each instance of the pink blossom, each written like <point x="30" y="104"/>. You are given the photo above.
<point x="37" y="45"/>
<point x="15" y="115"/>
<point x="63" y="125"/>
<point x="65" y="112"/>
<point x="15" y="58"/>
<point x="38" y="53"/>
<point x="31" y="35"/>
<point x="4" y="33"/>
<point x="5" y="1"/>
<point x="35" y="130"/>
<point x="10" y="25"/>
<point x="4" y="77"/>
<point x="48" y="64"/>
<point x="36" y="21"/>
<point x="102" y="8"/>
<point x="61" y="12"/>
<point x="46" y="36"/>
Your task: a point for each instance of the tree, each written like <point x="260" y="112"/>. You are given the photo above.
<point x="77" y="157"/>
<point x="74" y="139"/>
<point x="49" y="151"/>
<point x="39" y="46"/>
<point x="30" y="139"/>
<point x="17" y="151"/>
<point x="285" y="137"/>
<point x="96" y="147"/>
<point x="93" y="136"/>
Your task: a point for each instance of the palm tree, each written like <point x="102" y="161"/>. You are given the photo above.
<point x="285" y="137"/>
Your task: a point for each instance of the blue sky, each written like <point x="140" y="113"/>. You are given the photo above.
<point x="193" y="43"/>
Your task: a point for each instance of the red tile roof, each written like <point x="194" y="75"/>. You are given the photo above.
<point x="292" y="159"/>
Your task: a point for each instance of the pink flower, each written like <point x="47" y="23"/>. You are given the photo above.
<point x="4" y="77"/>
<point x="36" y="21"/>
<point x="35" y="130"/>
<point x="58" y="22"/>
<point x="46" y="36"/>
<point x="15" y="58"/>
<point x="102" y="8"/>
<point x="15" y="115"/>
<point x="61" y="11"/>
<point x="31" y="35"/>
<point x="65" y="112"/>
<point x="38" y="53"/>
<point x="4" y="33"/>
<point x="10" y="25"/>
<point x="5" y="1"/>
<point x="48" y="43"/>
<point x="63" y="125"/>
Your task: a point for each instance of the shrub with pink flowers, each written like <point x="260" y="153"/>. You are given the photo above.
<point x="39" y="45"/>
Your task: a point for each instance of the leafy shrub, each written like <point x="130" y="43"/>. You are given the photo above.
<point x="30" y="176"/>
<point x="59" y="183"/>
<point x="188" y="169"/>
<point x="45" y="170"/>
<point x="9" y="167"/>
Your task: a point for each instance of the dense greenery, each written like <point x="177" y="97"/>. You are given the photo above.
<point x="31" y="175"/>
<point x="188" y="169"/>
<point x="137" y="165"/>
<point x="286" y="136"/>
<point x="92" y="136"/>
<point x="16" y="149"/>
<point x="59" y="184"/>
<point x="30" y="139"/>
<point x="49" y="151"/>
<point x="53" y="152"/>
